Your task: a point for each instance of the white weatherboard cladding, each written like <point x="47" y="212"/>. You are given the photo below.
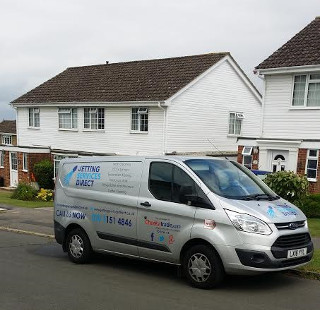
<point x="116" y="138"/>
<point x="280" y="119"/>
<point x="202" y="112"/>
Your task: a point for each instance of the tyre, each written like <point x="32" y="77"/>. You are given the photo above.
<point x="78" y="246"/>
<point x="202" y="267"/>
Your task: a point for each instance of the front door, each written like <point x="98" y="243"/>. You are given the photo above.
<point x="164" y="222"/>
<point x="13" y="169"/>
<point x="279" y="160"/>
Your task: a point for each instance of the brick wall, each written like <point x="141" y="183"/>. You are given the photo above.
<point x="314" y="187"/>
<point x="33" y="158"/>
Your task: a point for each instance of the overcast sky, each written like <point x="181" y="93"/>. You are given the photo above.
<point x="40" y="38"/>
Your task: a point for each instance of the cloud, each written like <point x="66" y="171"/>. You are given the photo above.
<point x="42" y="38"/>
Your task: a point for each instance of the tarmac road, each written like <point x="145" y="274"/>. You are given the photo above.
<point x="36" y="274"/>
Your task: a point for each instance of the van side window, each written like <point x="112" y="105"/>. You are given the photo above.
<point x="160" y="180"/>
<point x="170" y="183"/>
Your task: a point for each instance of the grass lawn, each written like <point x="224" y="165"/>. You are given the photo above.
<point x="314" y="265"/>
<point x="6" y="200"/>
<point x="314" y="226"/>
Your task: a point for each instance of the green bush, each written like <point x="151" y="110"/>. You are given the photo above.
<point x="310" y="205"/>
<point x="288" y="185"/>
<point x="24" y="192"/>
<point x="43" y="172"/>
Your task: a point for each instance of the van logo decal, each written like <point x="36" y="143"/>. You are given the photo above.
<point x="67" y="178"/>
<point x="286" y="210"/>
<point x="271" y="212"/>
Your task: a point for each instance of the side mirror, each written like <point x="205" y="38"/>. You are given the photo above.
<point x="187" y="197"/>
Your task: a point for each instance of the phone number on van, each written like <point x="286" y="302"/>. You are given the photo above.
<point x="110" y="220"/>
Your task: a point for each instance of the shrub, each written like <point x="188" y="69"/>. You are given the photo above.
<point x="24" y="192"/>
<point x="45" y="194"/>
<point x="288" y="185"/>
<point x="43" y="172"/>
<point x="310" y="205"/>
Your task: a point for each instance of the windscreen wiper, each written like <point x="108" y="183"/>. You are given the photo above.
<point x="261" y="197"/>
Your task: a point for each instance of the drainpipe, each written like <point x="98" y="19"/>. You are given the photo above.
<point x="164" y="130"/>
<point x="263" y="103"/>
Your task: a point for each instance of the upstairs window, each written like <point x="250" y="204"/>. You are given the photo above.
<point x="93" y="118"/>
<point x="235" y="121"/>
<point x="312" y="164"/>
<point x="139" y="119"/>
<point x="68" y="118"/>
<point x="34" y="117"/>
<point x="306" y="90"/>
<point x="7" y="139"/>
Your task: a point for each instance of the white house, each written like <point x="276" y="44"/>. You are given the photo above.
<point x="290" y="133"/>
<point x="191" y="104"/>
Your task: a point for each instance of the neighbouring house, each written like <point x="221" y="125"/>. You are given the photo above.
<point x="183" y="105"/>
<point x="16" y="162"/>
<point x="290" y="135"/>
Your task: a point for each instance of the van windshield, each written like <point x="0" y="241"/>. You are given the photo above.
<point x="230" y="179"/>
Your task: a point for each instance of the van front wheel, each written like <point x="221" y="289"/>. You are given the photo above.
<point x="202" y="267"/>
<point x="78" y="246"/>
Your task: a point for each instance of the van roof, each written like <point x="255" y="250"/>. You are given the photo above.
<point x="176" y="158"/>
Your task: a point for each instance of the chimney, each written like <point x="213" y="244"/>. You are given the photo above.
<point x="107" y="62"/>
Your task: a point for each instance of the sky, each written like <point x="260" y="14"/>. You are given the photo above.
<point x="41" y="38"/>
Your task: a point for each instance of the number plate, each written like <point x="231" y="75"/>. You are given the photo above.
<point x="297" y="253"/>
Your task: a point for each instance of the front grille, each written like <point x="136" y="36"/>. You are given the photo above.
<point x="292" y="241"/>
<point x="290" y="225"/>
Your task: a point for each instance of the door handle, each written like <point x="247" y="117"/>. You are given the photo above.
<point x="145" y="204"/>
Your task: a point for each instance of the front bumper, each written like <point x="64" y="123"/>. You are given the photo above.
<point x="259" y="259"/>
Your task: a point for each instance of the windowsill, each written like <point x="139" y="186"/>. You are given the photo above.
<point x="304" y="108"/>
<point x="233" y="135"/>
<point x="312" y="180"/>
<point x="34" y="128"/>
<point x="24" y="170"/>
<point x="7" y="144"/>
<point x="94" y="130"/>
<point x="139" y="132"/>
<point x="2" y="167"/>
<point x="67" y="129"/>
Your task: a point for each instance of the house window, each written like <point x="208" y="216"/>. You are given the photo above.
<point x="56" y="160"/>
<point x="139" y="119"/>
<point x="34" y="117"/>
<point x="67" y="118"/>
<point x="94" y="118"/>
<point x="306" y="90"/>
<point x="1" y="159"/>
<point x="235" y="120"/>
<point x="247" y="157"/>
<point x="25" y="161"/>
<point x="7" y="139"/>
<point x="312" y="164"/>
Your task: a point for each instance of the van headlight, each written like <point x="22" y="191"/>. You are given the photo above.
<point x="248" y="223"/>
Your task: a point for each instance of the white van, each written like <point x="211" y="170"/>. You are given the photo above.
<point x="212" y="216"/>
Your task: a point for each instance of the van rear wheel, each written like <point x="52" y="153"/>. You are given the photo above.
<point x="78" y="246"/>
<point x="202" y="267"/>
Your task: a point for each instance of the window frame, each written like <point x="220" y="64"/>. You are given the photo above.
<point x="306" y="90"/>
<point x="312" y="158"/>
<point x="197" y="187"/>
<point x="237" y="116"/>
<point x="5" y="137"/>
<point x="2" y="155"/>
<point x="99" y="121"/>
<point x="25" y="162"/>
<point x="57" y="162"/>
<point x="140" y="120"/>
<point x="32" y="118"/>
<point x="73" y="118"/>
